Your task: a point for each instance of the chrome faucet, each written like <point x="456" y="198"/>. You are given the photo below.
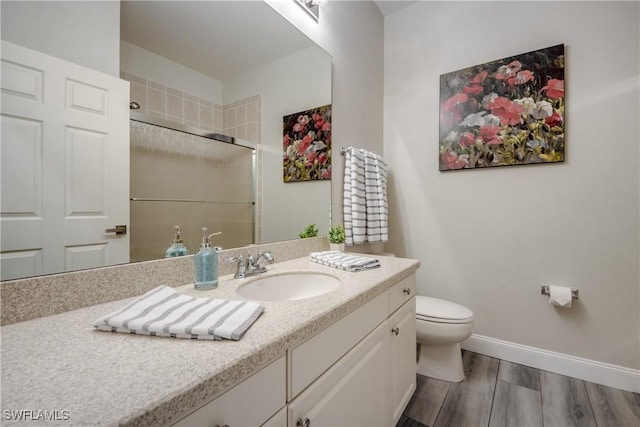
<point x="250" y="265"/>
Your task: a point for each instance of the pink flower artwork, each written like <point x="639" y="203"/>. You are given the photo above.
<point x="306" y="145"/>
<point x="504" y="113"/>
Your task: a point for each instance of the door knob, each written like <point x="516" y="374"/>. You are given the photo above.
<point x="120" y="229"/>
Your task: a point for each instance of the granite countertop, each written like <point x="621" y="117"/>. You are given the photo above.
<point x="83" y="377"/>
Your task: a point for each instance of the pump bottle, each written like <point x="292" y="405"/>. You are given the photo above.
<point x="177" y="248"/>
<point x="206" y="263"/>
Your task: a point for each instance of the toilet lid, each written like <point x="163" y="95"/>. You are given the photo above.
<point x="439" y="310"/>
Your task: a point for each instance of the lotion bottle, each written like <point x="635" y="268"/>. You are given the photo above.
<point x="177" y="248"/>
<point x="206" y="263"/>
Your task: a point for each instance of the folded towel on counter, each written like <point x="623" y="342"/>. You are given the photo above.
<point x="344" y="261"/>
<point x="166" y="313"/>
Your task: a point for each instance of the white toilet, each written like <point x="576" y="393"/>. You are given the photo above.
<point x="440" y="328"/>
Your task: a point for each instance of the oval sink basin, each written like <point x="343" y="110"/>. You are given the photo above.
<point x="288" y="286"/>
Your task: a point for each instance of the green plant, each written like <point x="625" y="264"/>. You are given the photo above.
<point x="309" y="231"/>
<point x="337" y="234"/>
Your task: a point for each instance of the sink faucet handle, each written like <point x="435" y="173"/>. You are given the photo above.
<point x="266" y="255"/>
<point x="241" y="268"/>
<point x="235" y="258"/>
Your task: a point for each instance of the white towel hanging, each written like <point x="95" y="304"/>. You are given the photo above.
<point x="366" y="209"/>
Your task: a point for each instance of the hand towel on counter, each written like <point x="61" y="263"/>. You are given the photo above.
<point x="337" y="259"/>
<point x="366" y="209"/>
<point x="166" y="313"/>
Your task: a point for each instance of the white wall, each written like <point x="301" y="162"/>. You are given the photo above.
<point x="143" y="63"/>
<point x="489" y="238"/>
<point x="85" y="33"/>
<point x="299" y="82"/>
<point x="352" y="33"/>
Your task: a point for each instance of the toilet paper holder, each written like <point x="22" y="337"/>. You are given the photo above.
<point x="544" y="290"/>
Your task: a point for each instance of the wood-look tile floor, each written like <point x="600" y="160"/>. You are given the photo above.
<point x="497" y="393"/>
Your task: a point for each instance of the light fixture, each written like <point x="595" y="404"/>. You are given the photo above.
<point x="312" y="7"/>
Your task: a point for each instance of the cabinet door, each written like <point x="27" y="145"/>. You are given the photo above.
<point x="250" y="403"/>
<point x="403" y="357"/>
<point x="278" y="420"/>
<point x="310" y="359"/>
<point x="354" y="392"/>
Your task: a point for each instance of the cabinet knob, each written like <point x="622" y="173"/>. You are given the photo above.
<point x="407" y="291"/>
<point x="395" y="330"/>
<point x="218" y="425"/>
<point x="303" y="422"/>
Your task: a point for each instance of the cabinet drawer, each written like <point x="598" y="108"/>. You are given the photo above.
<point x="313" y="357"/>
<point x="264" y="393"/>
<point x="402" y="292"/>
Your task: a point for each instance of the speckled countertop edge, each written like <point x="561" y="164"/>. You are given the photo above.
<point x="31" y="298"/>
<point x="88" y="372"/>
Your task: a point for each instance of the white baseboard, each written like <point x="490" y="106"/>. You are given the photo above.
<point x="564" y="364"/>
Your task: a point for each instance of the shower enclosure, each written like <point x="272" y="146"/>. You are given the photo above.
<point x="184" y="176"/>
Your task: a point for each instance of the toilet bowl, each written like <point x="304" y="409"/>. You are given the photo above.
<point x="440" y="328"/>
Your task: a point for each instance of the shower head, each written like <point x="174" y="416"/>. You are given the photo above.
<point x="134" y="105"/>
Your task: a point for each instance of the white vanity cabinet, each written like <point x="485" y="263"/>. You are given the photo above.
<point x="402" y="325"/>
<point x="368" y="385"/>
<point x="353" y="392"/>
<point x="309" y="360"/>
<point x="358" y="372"/>
<point x="278" y="420"/>
<point x="253" y="402"/>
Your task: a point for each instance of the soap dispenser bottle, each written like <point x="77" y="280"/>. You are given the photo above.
<point x="177" y="248"/>
<point x="206" y="263"/>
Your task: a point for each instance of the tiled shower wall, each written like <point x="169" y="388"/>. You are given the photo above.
<point x="167" y="166"/>
<point x="241" y="119"/>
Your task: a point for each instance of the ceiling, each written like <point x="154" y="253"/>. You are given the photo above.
<point x="387" y="7"/>
<point x="188" y="32"/>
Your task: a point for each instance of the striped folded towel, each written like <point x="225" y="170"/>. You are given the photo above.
<point x="344" y="261"/>
<point x="164" y="312"/>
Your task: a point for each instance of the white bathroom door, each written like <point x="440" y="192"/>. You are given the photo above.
<point x="64" y="165"/>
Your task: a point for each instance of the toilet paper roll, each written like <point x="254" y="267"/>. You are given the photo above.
<point x="560" y="296"/>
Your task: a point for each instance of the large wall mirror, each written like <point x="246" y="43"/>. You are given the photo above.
<point x="228" y="67"/>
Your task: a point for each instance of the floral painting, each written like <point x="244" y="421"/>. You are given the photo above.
<point x="307" y="145"/>
<point x="505" y="112"/>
